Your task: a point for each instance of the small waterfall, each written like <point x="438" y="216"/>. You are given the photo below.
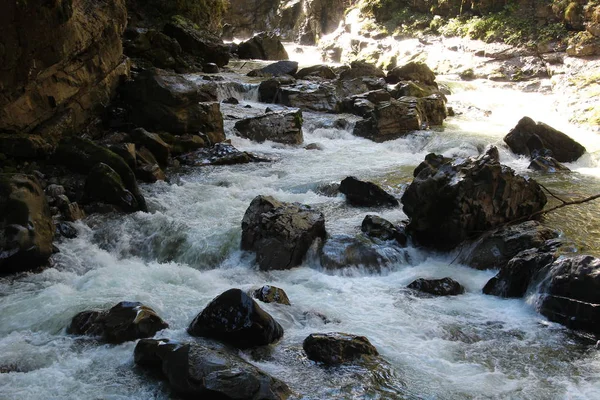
<point x="239" y="90"/>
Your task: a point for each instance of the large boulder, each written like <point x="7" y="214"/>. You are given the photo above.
<point x="413" y="71"/>
<point x="437" y="287"/>
<point x="197" y="41"/>
<point x="161" y="100"/>
<point x="276" y="69"/>
<point x="156" y="48"/>
<point x="195" y="371"/>
<point x="234" y="318"/>
<point x="61" y="62"/>
<point x="280" y="233"/>
<point x="105" y="185"/>
<point x="529" y="136"/>
<point x="359" y="69"/>
<point x="570" y="293"/>
<point x="320" y="71"/>
<point x="281" y="127"/>
<point x="26" y="228"/>
<point x="452" y="200"/>
<point x="390" y="120"/>
<point x="366" y="194"/>
<point x="263" y="46"/>
<point x="122" y="323"/>
<point x="337" y="348"/>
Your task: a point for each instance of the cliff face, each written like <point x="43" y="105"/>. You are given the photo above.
<point x="60" y="60"/>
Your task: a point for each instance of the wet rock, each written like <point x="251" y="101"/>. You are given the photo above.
<point x="276" y="69"/>
<point x="183" y="144"/>
<point x="234" y="318"/>
<point x="437" y="287"/>
<point x="321" y="71"/>
<point x="153" y="142"/>
<point x="122" y="323"/>
<point x="197" y="371"/>
<point x="359" y="69"/>
<point x="147" y="169"/>
<point x="529" y="136"/>
<point x="377" y="227"/>
<point x="197" y="41"/>
<point x="280" y="233"/>
<point x="494" y="249"/>
<point x="281" y="127"/>
<point x="413" y="71"/>
<point x="452" y="200"/>
<point x="126" y="151"/>
<point x="219" y="154"/>
<point x="390" y="120"/>
<point x="363" y="104"/>
<point x="337" y="348"/>
<point x="26" y="229"/>
<point x="268" y="90"/>
<point x="231" y="100"/>
<point x="66" y="230"/>
<point x="313" y="146"/>
<point x="156" y="48"/>
<point x="412" y="89"/>
<point x="570" y="293"/>
<point x="515" y="277"/>
<point x="210" y="68"/>
<point x="310" y="96"/>
<point x="25" y="145"/>
<point x="366" y="194"/>
<point x="271" y="294"/>
<point x="70" y="210"/>
<point x="342" y="251"/>
<point x="263" y="46"/>
<point x="433" y="108"/>
<point x="104" y="184"/>
<point x="546" y="164"/>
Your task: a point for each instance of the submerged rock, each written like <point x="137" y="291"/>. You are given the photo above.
<point x="234" y="318"/>
<point x="377" y="227"/>
<point x="437" y="287"/>
<point x="337" y="347"/>
<point x="280" y="233"/>
<point x="197" y="371"/>
<point x="26" y="228"/>
<point x="452" y="200"/>
<point x="124" y="322"/>
<point x="366" y="194"/>
<point x="281" y="127"/>
<point x="271" y="294"/>
<point x="546" y="164"/>
<point x="263" y="46"/>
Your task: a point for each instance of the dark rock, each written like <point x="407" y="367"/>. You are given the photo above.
<point x="337" y="347"/>
<point x="263" y="46"/>
<point x="494" y="249"/>
<point x="412" y="89"/>
<point x="529" y="136"/>
<point x="126" y="151"/>
<point x="364" y="104"/>
<point x="570" y="293"/>
<point x="234" y="318"/>
<point x="313" y="146"/>
<point x="66" y="229"/>
<point x="546" y="164"/>
<point x="231" y="100"/>
<point x="70" y="210"/>
<point x="197" y="41"/>
<point x="438" y="287"/>
<point x="359" y="69"/>
<point x="104" y="184"/>
<point x="366" y="194"/>
<point x="25" y="145"/>
<point x="433" y="109"/>
<point x="268" y="89"/>
<point x="153" y="142"/>
<point x="342" y="251"/>
<point x="450" y="201"/>
<point x="280" y="233"/>
<point x="271" y="294"/>
<point x="124" y="322"/>
<point x="377" y="227"/>
<point x="210" y="68"/>
<point x="322" y="71"/>
<point x="219" y="154"/>
<point x="195" y="371"/>
<point x="391" y="120"/>
<point x="276" y="69"/>
<point x="413" y="71"/>
<point x="310" y="96"/>
<point x="147" y="169"/>
<point x="156" y="48"/>
<point x="281" y="127"/>
<point x="26" y="229"/>
<point x="182" y="144"/>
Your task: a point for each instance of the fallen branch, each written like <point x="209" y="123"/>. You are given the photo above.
<point x="564" y="204"/>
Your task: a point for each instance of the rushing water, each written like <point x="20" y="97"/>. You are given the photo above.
<point x="185" y="251"/>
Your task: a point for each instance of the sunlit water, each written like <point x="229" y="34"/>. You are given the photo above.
<point x="185" y="251"/>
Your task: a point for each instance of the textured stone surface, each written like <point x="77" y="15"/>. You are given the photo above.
<point x="281" y="127"/>
<point x="337" y="347"/>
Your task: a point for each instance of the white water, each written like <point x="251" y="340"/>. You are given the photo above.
<point x="185" y="252"/>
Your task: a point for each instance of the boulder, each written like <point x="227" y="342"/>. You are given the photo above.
<point x="366" y="194"/>
<point x="321" y="71"/>
<point x="183" y="144"/>
<point x="363" y="104"/>
<point x="263" y="46"/>
<point x="515" y="277"/>
<point x="276" y="69"/>
<point x="494" y="249"/>
<point x="309" y="96"/>
<point x="234" y="318"/>
<point x="219" y="154"/>
<point x="25" y="146"/>
<point x="156" y="48"/>
<point x="413" y="71"/>
<point x="547" y="164"/>
<point x="268" y="90"/>
<point x="359" y="69"/>
<point x="437" y="287"/>
<point x="196" y="371"/>
<point x="66" y="230"/>
<point x="105" y="185"/>
<point x="583" y="44"/>
<point x="26" y="228"/>
<point x="153" y="142"/>
<point x="147" y="168"/>
<point x="377" y="227"/>
<point x="432" y="107"/>
<point x="390" y="120"/>
<point x="166" y="101"/>
<point x="570" y="293"/>
<point x="281" y="127"/>
<point x="271" y="294"/>
<point x="126" y="151"/>
<point x="280" y="233"/>
<point x="122" y="323"/>
<point x="452" y="200"/>
<point x="197" y="41"/>
<point x="529" y="136"/>
<point x="337" y="348"/>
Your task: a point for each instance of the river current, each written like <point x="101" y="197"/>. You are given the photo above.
<point x="185" y="251"/>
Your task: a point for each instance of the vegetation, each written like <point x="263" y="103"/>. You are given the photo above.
<point x="206" y="13"/>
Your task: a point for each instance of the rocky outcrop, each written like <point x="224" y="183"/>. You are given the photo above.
<point x="271" y="294"/>
<point x="197" y="371"/>
<point x="153" y="142"/>
<point x="276" y="69"/>
<point x="280" y="127"/>
<point x="280" y="233"/>
<point x="124" y="322"/>
<point x="234" y="318"/>
<point x="149" y="47"/>
<point x="529" y="136"/>
<point x="366" y="194"/>
<point x="570" y="293"/>
<point x="337" y="348"/>
<point x="26" y="228"/>
<point x="450" y="201"/>
<point x="377" y="227"/>
<point x="437" y="287"/>
<point x="413" y="71"/>
<point x="61" y="61"/>
<point x="263" y="46"/>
